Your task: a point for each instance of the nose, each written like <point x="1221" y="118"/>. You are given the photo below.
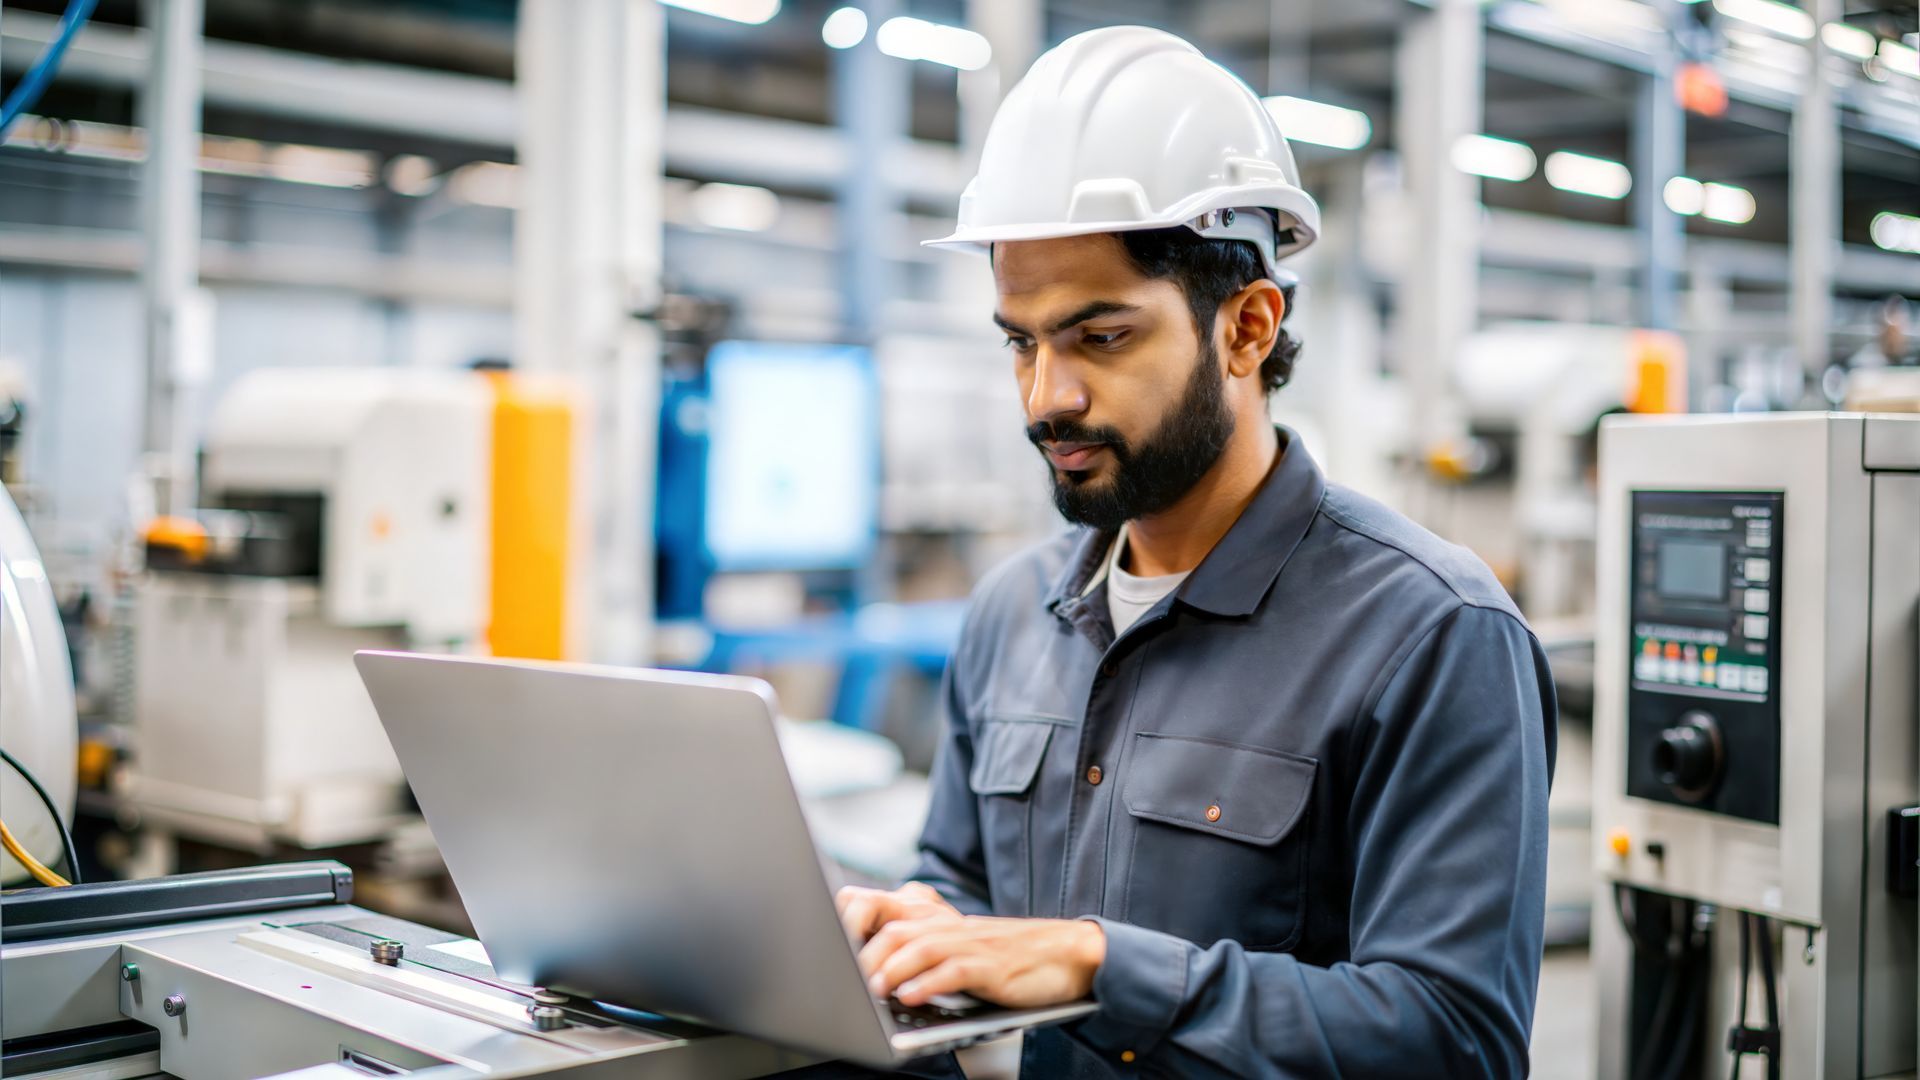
<point x="1057" y="390"/>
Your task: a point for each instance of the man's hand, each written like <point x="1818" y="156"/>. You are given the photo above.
<point x="864" y="911"/>
<point x="1019" y="963"/>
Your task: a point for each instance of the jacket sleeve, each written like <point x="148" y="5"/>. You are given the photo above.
<point x="952" y="857"/>
<point x="1448" y="830"/>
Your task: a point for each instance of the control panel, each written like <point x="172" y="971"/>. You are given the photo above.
<point x="1703" y="711"/>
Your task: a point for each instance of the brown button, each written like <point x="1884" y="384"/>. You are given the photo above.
<point x="1126" y="1056"/>
<point x="1107" y="669"/>
<point x="1093" y="774"/>
<point x="1213" y="813"/>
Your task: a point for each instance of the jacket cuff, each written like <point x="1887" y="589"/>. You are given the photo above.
<point x="1140" y="987"/>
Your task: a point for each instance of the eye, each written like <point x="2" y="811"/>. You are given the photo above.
<point x="1018" y="343"/>
<point x="1104" y="341"/>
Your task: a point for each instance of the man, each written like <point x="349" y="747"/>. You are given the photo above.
<point x="1255" y="762"/>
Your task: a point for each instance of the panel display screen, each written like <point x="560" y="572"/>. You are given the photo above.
<point x="1692" y="570"/>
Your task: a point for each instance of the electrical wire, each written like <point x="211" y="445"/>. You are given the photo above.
<point x="35" y="868"/>
<point x="66" y="838"/>
<point x="34" y="82"/>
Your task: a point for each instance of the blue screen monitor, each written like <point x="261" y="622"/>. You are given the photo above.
<point x="793" y="456"/>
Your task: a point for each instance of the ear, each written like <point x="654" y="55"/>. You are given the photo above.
<point x="1250" y="322"/>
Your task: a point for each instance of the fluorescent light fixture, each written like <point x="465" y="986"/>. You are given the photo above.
<point x="1848" y="40"/>
<point x="1584" y="175"/>
<point x="751" y="12"/>
<point x="486" y="183"/>
<point x="1607" y="13"/>
<point x="740" y="207"/>
<point x="1495" y="159"/>
<point x="1769" y="14"/>
<point x="1685" y="195"/>
<point x="1896" y="232"/>
<point x="412" y="175"/>
<point x="908" y="38"/>
<point x="845" y="28"/>
<point x="1319" y="123"/>
<point x="1901" y="58"/>
<point x="1728" y="204"/>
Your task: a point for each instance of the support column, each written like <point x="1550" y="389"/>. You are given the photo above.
<point x="176" y="342"/>
<point x="872" y="97"/>
<point x="1813" y="180"/>
<point x="1659" y="154"/>
<point x="1437" y="99"/>
<point x="587" y="251"/>
<point x="1017" y="30"/>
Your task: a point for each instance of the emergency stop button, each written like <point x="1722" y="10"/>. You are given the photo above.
<point x="1619" y="842"/>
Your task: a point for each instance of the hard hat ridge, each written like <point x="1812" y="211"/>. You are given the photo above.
<point x="1127" y="128"/>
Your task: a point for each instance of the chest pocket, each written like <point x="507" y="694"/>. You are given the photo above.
<point x="1220" y="840"/>
<point x="1006" y="758"/>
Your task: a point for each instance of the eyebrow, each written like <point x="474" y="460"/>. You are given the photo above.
<point x="1091" y="311"/>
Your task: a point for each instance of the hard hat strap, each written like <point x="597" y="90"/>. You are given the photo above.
<point x="1256" y="225"/>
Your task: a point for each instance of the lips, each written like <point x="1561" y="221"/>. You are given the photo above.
<point x="1071" y="457"/>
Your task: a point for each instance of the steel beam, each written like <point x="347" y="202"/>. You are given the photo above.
<point x="1437" y="100"/>
<point x="1659" y="154"/>
<point x="176" y="341"/>
<point x="1813" y="182"/>
<point x="872" y="93"/>
<point x="587" y="252"/>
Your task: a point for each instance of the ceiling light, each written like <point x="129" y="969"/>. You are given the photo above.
<point x="752" y="12"/>
<point x="1901" y="58"/>
<point x="1848" y="40"/>
<point x="1727" y="203"/>
<point x="486" y="183"/>
<point x="1896" y="232"/>
<point x="1770" y="14"/>
<point x="740" y="207"/>
<point x="1319" y="123"/>
<point x="412" y="175"/>
<point x="1495" y="159"/>
<point x="844" y="28"/>
<point x="1585" y="175"/>
<point x="1685" y="195"/>
<point x="909" y="38"/>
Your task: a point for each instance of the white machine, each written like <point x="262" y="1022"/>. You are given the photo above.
<point x="37" y="723"/>
<point x="350" y="510"/>
<point x="1756" y="758"/>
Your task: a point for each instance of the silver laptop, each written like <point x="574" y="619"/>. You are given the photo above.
<point x="632" y="836"/>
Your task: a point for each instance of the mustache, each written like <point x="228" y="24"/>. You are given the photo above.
<point x="1072" y="431"/>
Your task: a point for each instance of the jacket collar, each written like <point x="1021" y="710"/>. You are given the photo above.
<point x="1235" y="576"/>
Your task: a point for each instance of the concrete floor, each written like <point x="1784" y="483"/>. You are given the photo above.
<point x="1562" y="1027"/>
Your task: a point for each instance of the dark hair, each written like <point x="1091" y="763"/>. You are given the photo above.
<point x="1209" y="272"/>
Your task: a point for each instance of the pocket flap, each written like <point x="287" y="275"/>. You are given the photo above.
<point x="1006" y="755"/>
<point x="1216" y="787"/>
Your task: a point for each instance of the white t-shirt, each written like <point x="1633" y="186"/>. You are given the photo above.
<point x="1128" y="596"/>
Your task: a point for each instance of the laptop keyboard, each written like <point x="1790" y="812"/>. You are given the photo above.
<point x="944" y="1008"/>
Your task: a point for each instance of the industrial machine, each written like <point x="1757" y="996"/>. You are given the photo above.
<point x="37" y="723"/>
<point x="346" y="509"/>
<point x="1756" y="759"/>
<point x="272" y="971"/>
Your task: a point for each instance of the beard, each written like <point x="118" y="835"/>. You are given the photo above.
<point x="1151" y="475"/>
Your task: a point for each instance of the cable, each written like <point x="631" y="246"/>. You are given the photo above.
<point x="39" y="872"/>
<point x="1746" y="976"/>
<point x="34" y="82"/>
<point x="66" y="838"/>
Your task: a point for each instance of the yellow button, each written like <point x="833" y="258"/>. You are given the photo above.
<point x="1620" y="842"/>
<point x="1126" y="1056"/>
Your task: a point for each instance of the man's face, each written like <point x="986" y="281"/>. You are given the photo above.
<point x="1123" y="398"/>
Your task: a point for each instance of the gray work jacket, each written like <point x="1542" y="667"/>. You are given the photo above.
<point x="1305" y="795"/>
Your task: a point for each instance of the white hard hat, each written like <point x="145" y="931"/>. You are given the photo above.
<point x="1127" y="128"/>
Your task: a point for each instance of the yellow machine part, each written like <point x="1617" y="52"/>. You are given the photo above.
<point x="532" y="516"/>
<point x="1657" y="380"/>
